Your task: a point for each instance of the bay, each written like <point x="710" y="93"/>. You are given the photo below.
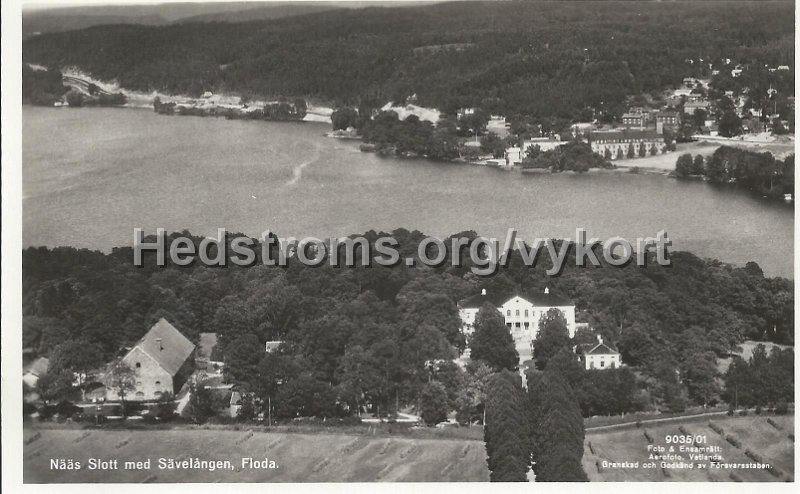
<point x="92" y="175"/>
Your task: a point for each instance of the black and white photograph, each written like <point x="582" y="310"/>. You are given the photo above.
<point x="398" y="241"/>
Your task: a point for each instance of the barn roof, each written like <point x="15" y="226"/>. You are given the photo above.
<point x="166" y="345"/>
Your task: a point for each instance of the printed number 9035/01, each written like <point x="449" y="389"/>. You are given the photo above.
<point x="685" y="439"/>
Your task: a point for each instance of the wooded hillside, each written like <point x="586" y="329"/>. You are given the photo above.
<point x="545" y="59"/>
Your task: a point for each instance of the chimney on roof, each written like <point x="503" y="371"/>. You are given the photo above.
<point x="546" y="290"/>
<point x="160" y="346"/>
<point x="600" y="339"/>
<point x="483" y="291"/>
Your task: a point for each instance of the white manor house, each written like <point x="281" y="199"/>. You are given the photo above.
<point x="522" y="314"/>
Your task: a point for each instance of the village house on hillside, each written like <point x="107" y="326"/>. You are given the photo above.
<point x="162" y="361"/>
<point x="522" y="314"/>
<point x="598" y="355"/>
<point x="667" y="120"/>
<point x="691" y="106"/>
<point x="634" y="120"/>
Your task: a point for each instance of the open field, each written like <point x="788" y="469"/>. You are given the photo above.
<point x="300" y="457"/>
<point x="753" y="432"/>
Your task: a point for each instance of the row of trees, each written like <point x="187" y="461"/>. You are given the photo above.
<point x="685" y="166"/>
<point x="539" y="430"/>
<point x="758" y="172"/>
<point x="507" y="431"/>
<point x="556" y="428"/>
<point x="766" y="379"/>
<point x="543" y="428"/>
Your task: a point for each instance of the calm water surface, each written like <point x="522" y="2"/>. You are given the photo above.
<point x="90" y="176"/>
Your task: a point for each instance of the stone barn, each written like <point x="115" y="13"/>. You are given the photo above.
<point x="162" y="360"/>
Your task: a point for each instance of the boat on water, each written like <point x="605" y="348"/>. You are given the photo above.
<point x="788" y="197"/>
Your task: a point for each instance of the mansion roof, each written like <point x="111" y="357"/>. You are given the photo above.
<point x="544" y="299"/>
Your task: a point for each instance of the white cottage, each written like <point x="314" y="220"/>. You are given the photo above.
<point x="598" y="355"/>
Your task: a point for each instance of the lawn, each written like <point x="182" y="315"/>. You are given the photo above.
<point x="300" y="457"/>
<point x="754" y="433"/>
<point x="666" y="162"/>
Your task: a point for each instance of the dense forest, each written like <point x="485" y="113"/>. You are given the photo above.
<point x="541" y="59"/>
<point x="41" y="87"/>
<point x="378" y="328"/>
<point x="758" y="172"/>
<point x="45" y="87"/>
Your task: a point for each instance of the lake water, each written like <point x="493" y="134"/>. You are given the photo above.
<point x="91" y="175"/>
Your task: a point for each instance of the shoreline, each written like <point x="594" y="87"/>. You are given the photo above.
<point x="706" y="148"/>
<point x="233" y="107"/>
<point x="139" y="99"/>
<point x="317" y="117"/>
<point x="604" y="178"/>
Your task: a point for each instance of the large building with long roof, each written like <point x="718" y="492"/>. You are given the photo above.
<point x="522" y="314"/>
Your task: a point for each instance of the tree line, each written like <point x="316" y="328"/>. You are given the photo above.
<point x="375" y="339"/>
<point x="765" y="379"/>
<point x="41" y="87"/>
<point x="539" y="428"/>
<point x="517" y="59"/>
<point x="760" y="173"/>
